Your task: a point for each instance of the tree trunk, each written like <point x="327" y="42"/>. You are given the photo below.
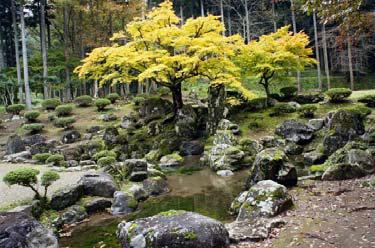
<point x="325" y="52"/>
<point x="222" y="15"/>
<point x="177" y="97"/>
<point x="317" y="54"/>
<point x="216" y="107"/>
<point x="95" y="89"/>
<point x="274" y="16"/>
<point x="229" y="24"/>
<point x="17" y="52"/>
<point x="66" y="55"/>
<point x="299" y="86"/>
<point x="44" y="47"/>
<point x="2" y="58"/>
<point x="182" y="15"/>
<point x="202" y="8"/>
<point x="25" y="61"/>
<point x="247" y="22"/>
<point x="350" y="58"/>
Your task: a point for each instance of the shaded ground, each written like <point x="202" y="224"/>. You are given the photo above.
<point x="329" y="215"/>
<point x="17" y="194"/>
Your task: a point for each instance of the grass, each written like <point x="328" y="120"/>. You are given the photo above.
<point x="15" y="204"/>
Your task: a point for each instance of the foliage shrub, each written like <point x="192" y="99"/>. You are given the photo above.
<point x="289" y="92"/>
<point x="106" y="161"/>
<point x="104" y="153"/>
<point x="15" y="109"/>
<point x="138" y="100"/>
<point x="257" y="103"/>
<point x="55" y="159"/>
<point x="337" y="95"/>
<point x="32" y="116"/>
<point x="369" y="100"/>
<point x="51" y="104"/>
<point x="163" y="91"/>
<point x="64" y="122"/>
<point x="64" y="110"/>
<point x="307" y="110"/>
<point x="41" y="157"/>
<point x="282" y="108"/>
<point x="84" y="101"/>
<point x="363" y="111"/>
<point x="33" y="128"/>
<point x="48" y="178"/>
<point x="113" y="97"/>
<point x="102" y="103"/>
<point x="52" y="117"/>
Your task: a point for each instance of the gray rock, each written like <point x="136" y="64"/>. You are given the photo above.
<point x="295" y="131"/>
<point x="224" y="173"/>
<point x="21" y="230"/>
<point x="98" y="184"/>
<point x="138" y="176"/>
<point x="316" y="124"/>
<point x="110" y="135"/>
<point x="314" y="157"/>
<point x="72" y="163"/>
<point x="271" y="142"/>
<point x="186" y="122"/>
<point x="15" y="144"/>
<point x="293" y="149"/>
<point x="139" y="192"/>
<point x="189" y="148"/>
<point x="225" y="157"/>
<point x="70" y="136"/>
<point x="154" y="107"/>
<point x="34" y="139"/>
<point x="93" y="129"/>
<point x="174" y="229"/>
<point x="170" y="161"/>
<point x="72" y="215"/>
<point x="71" y="152"/>
<point x="121" y="203"/>
<point x="309" y="98"/>
<point x="21" y="157"/>
<point x="108" y="117"/>
<point x="87" y="162"/>
<point x="44" y="147"/>
<point x="66" y="197"/>
<point x="97" y="204"/>
<point x="265" y="199"/>
<point x="127" y="122"/>
<point x="155" y="186"/>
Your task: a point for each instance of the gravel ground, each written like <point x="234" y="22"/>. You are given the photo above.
<point x="15" y="193"/>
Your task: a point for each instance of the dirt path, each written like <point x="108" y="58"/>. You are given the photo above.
<point x="328" y="215"/>
<point x="14" y="194"/>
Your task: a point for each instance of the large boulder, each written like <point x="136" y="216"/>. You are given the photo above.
<point x="137" y="169"/>
<point x="265" y="199"/>
<point x="44" y="147"/>
<point x="189" y="148"/>
<point x="70" y="136"/>
<point x="98" y="184"/>
<point x="20" y="157"/>
<point x="21" y="230"/>
<point x="295" y="131"/>
<point x="272" y="164"/>
<point x="170" y="161"/>
<point x="97" y="204"/>
<point x="309" y="98"/>
<point x="34" y="139"/>
<point x="186" y="122"/>
<point x="71" y="215"/>
<point x="226" y="157"/>
<point x="154" y="107"/>
<point x="173" y="229"/>
<point x="123" y="203"/>
<point x="15" y="144"/>
<point x="66" y="197"/>
<point x="155" y="186"/>
<point x="314" y="157"/>
<point x="110" y="135"/>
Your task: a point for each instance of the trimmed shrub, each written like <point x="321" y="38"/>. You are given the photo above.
<point x="307" y="110"/>
<point x="106" y="161"/>
<point x="51" y="104"/>
<point x="15" y="109"/>
<point x="369" y="100"/>
<point x="84" y="101"/>
<point x="48" y="178"/>
<point x="102" y="103"/>
<point x="41" y="157"/>
<point x="113" y="97"/>
<point x="363" y="111"/>
<point x="282" y="108"/>
<point x="337" y="95"/>
<point x="64" y="110"/>
<point x="289" y="92"/>
<point x="52" y="117"/>
<point x="22" y="176"/>
<point x="138" y="100"/>
<point x="32" y="116"/>
<point x="104" y="153"/>
<point x="33" y="128"/>
<point x="65" y="122"/>
<point x="55" y="159"/>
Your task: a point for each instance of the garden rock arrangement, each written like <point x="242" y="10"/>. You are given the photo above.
<point x="174" y="229"/>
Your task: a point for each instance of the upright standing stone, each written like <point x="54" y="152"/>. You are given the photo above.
<point x="216" y="107"/>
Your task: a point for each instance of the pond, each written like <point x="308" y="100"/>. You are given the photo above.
<point x="203" y="192"/>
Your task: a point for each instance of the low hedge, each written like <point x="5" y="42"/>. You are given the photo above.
<point x="32" y="116"/>
<point x="113" y="97"/>
<point x="337" y="95"/>
<point x="102" y="103"/>
<point x="41" y="157"/>
<point x="84" y="101"/>
<point x="33" y="128"/>
<point x="307" y="110"/>
<point x="15" y="109"/>
<point x="64" y="110"/>
<point x="106" y="161"/>
<point x="55" y="159"/>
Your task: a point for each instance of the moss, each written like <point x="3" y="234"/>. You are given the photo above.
<point x="172" y="213"/>
<point x="12" y="205"/>
<point x="190" y="235"/>
<point x="318" y="168"/>
<point x="189" y="170"/>
<point x="48" y="217"/>
<point x="132" y="228"/>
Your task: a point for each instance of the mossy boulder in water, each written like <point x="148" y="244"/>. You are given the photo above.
<point x="265" y="199"/>
<point x="170" y="161"/>
<point x="226" y="157"/>
<point x="173" y="229"/>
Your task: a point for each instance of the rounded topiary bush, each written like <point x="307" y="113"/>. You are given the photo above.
<point x="55" y="159"/>
<point x="41" y="157"/>
<point x="64" y="110"/>
<point x="106" y="161"/>
<point x="84" y="101"/>
<point x="369" y="100"/>
<point x="113" y="97"/>
<point x="363" y="111"/>
<point x="307" y="110"/>
<point x="138" y="100"/>
<point x="104" y="153"/>
<point x="102" y="103"/>
<point x="33" y="128"/>
<point x="64" y="122"/>
<point x="15" y="109"/>
<point x="282" y="108"/>
<point x="51" y="104"/>
<point x="289" y="92"/>
<point x="337" y="95"/>
<point x="32" y="116"/>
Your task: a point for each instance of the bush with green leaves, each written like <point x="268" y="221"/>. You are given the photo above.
<point x="64" y="122"/>
<point x="28" y="177"/>
<point x="282" y="108"/>
<point x="64" y="110"/>
<point x="307" y="110"/>
<point x="113" y="97"/>
<point x="32" y="116"/>
<point x="51" y="104"/>
<point x="369" y="100"/>
<point x="104" y="153"/>
<point x="33" y="128"/>
<point x="337" y="95"/>
<point x="102" y="103"/>
<point x="84" y="101"/>
<point x="41" y="157"/>
<point x="163" y="91"/>
<point x="137" y="100"/>
<point x="363" y="111"/>
<point x="56" y="160"/>
<point x="289" y="92"/>
<point x="15" y="109"/>
<point x="106" y="161"/>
